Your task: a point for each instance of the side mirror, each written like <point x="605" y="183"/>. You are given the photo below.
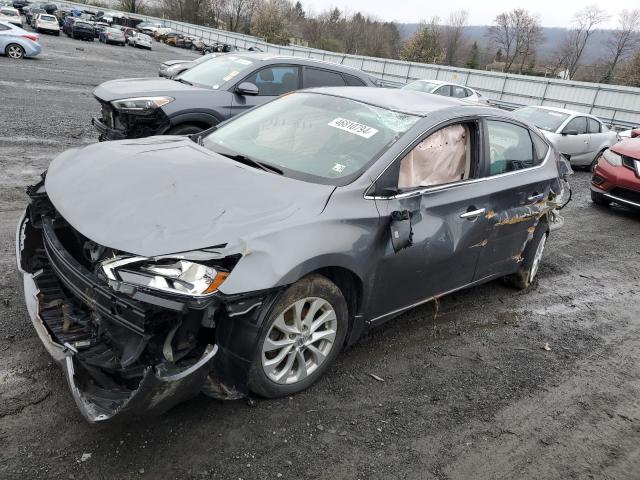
<point x="247" y="88"/>
<point x="635" y="133"/>
<point x="569" y="132"/>
<point x="401" y="232"/>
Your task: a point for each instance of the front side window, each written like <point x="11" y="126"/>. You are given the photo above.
<point x="313" y="137"/>
<point x="444" y="90"/>
<point x="274" y="81"/>
<point x="577" y="124"/>
<point x="510" y="147"/>
<point x="216" y="72"/>
<point x="314" y="77"/>
<point x="443" y="157"/>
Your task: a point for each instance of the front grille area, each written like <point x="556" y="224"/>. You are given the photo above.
<point x="626" y="194"/>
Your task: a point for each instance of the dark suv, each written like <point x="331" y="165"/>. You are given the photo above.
<point x="210" y="93"/>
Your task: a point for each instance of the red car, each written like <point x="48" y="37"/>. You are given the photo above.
<point x="616" y="177"/>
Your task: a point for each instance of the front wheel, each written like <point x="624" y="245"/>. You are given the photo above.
<point x="599" y="199"/>
<point x="530" y="258"/>
<point x="302" y="336"/>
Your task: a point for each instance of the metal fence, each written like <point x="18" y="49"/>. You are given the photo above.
<point x="614" y="104"/>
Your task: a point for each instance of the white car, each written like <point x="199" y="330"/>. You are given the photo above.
<point x="579" y="136"/>
<point x="139" y="40"/>
<point x="447" y="89"/>
<point x="10" y="15"/>
<point x="46" y="23"/>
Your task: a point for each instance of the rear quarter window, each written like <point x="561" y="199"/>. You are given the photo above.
<point x="353" y="81"/>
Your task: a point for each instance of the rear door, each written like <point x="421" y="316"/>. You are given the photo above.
<point x="516" y="189"/>
<point x="272" y="81"/>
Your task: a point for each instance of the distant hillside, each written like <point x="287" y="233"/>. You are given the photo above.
<point x="552" y="38"/>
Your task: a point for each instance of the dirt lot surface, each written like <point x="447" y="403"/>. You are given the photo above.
<point x="471" y="393"/>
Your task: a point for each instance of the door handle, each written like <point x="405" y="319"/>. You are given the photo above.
<point x="473" y="214"/>
<point x="536" y="197"/>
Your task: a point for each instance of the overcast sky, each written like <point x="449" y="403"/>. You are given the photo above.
<point x="553" y="13"/>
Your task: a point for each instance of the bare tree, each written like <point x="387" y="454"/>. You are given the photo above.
<point x="453" y="33"/>
<point x="623" y="41"/>
<point x="585" y="23"/>
<point x="425" y="46"/>
<point x="516" y="33"/>
<point x="239" y="12"/>
<point x="271" y="22"/>
<point x="131" y="6"/>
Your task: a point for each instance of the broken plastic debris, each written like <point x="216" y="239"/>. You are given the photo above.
<point x="85" y="457"/>
<point x="376" y="377"/>
<point x="546" y="347"/>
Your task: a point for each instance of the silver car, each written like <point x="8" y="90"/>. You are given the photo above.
<point x="139" y="40"/>
<point x="579" y="136"/>
<point x="447" y="89"/>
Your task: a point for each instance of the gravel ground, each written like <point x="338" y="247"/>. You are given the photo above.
<point x="467" y="393"/>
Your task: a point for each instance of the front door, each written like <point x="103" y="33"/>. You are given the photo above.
<point x="575" y="145"/>
<point x="448" y="220"/>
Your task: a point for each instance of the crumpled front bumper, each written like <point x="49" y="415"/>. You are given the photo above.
<point x="161" y="386"/>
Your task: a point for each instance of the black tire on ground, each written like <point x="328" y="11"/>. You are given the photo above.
<point x="57" y="34"/>
<point x="313" y="285"/>
<point x="15" y="51"/>
<point x="599" y="199"/>
<point x="184" y="129"/>
<point x="528" y="267"/>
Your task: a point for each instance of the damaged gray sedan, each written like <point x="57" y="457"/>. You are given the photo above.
<point x="245" y="258"/>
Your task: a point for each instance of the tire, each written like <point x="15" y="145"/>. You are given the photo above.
<point x="531" y="258"/>
<point x="600" y="199"/>
<point x="185" y="129"/>
<point x="278" y="372"/>
<point x="57" y="34"/>
<point x="15" y="51"/>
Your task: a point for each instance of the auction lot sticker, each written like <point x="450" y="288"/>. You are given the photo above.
<point x="353" y="127"/>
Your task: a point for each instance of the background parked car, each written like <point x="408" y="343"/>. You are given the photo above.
<point x="171" y="68"/>
<point x="210" y="92"/>
<point x="171" y="38"/>
<point x="579" y="136"/>
<point x="616" y="177"/>
<point x="631" y="133"/>
<point x="447" y="89"/>
<point x="20" y="4"/>
<point x="82" y="30"/>
<point x="112" y="35"/>
<point x="18" y="43"/>
<point x="98" y="28"/>
<point x="10" y="15"/>
<point x="68" y="22"/>
<point x="128" y="31"/>
<point x="47" y="23"/>
<point x="30" y="15"/>
<point x="140" y="40"/>
<point x="161" y="32"/>
<point x="149" y="27"/>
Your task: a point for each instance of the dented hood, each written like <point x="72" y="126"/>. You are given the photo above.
<point x="163" y="195"/>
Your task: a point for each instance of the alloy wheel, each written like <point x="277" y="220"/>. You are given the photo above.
<point x="15" y="51"/>
<point x="299" y="340"/>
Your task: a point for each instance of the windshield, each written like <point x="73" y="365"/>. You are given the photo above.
<point x="420" y="86"/>
<point x="215" y="73"/>
<point x="313" y="137"/>
<point x="206" y="57"/>
<point x="542" y="118"/>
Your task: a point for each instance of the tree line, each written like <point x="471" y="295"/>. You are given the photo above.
<point x="511" y="44"/>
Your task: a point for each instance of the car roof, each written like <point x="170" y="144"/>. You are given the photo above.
<point x="270" y="57"/>
<point x="562" y="110"/>
<point x="440" y="82"/>
<point x="405" y="101"/>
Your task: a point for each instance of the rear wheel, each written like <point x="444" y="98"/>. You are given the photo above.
<point x="530" y="259"/>
<point x="186" y="129"/>
<point x="304" y="333"/>
<point x="15" y="51"/>
<point x="599" y="199"/>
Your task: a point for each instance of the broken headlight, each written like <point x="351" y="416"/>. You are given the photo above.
<point x="175" y="276"/>
<point x="140" y="104"/>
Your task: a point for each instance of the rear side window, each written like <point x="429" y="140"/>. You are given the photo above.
<point x="314" y="77"/>
<point x="510" y="147"/>
<point x="594" y="125"/>
<point x="579" y="124"/>
<point x="353" y="81"/>
<point x="459" y="92"/>
<point x="541" y="147"/>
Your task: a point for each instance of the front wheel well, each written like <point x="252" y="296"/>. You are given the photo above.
<point x="349" y="284"/>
